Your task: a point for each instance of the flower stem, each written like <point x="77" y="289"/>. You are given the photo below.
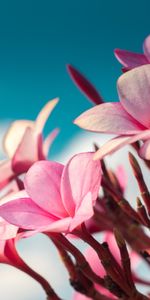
<point x="80" y="259"/>
<point x="106" y="260"/>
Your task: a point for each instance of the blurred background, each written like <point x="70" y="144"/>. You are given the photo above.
<point x="37" y="40"/>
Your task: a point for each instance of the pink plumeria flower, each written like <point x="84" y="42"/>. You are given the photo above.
<point x="131" y="60"/>
<point x="23" y="144"/>
<point x="85" y="86"/>
<point x="129" y="119"/>
<point x="58" y="198"/>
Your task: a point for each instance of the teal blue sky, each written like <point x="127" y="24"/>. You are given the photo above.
<point x="38" y="39"/>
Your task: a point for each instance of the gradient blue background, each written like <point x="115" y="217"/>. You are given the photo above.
<point x="38" y="39"/>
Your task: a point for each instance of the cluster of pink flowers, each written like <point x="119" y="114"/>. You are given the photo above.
<point x="85" y="196"/>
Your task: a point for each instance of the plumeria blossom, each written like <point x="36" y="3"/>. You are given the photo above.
<point x="98" y="268"/>
<point x="129" y="119"/>
<point x="58" y="198"/>
<point x="131" y="60"/>
<point x="23" y="144"/>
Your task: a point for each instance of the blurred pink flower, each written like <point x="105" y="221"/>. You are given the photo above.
<point x="57" y="198"/>
<point x="8" y="238"/>
<point x="7" y="230"/>
<point x="131" y="60"/>
<point x="23" y="144"/>
<point x="129" y="119"/>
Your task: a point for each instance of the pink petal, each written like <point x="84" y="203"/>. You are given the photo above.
<point x="61" y="225"/>
<point x="44" y="114"/>
<point x="134" y="93"/>
<point x="146" y="47"/>
<point x="83" y="213"/>
<point x="84" y="85"/>
<point x="109" y="118"/>
<point x="14" y="135"/>
<point x="58" y="226"/>
<point x="110" y="239"/>
<point x="14" y="186"/>
<point x="7" y="231"/>
<point x="24" y="213"/>
<point x="78" y="296"/>
<point x="49" y="140"/>
<point x="6" y="173"/>
<point x="97" y="267"/>
<point x="77" y="180"/>
<point x="14" y="196"/>
<point x="129" y="59"/>
<point x="111" y="146"/>
<point x="3" y="258"/>
<point x="26" y="153"/>
<point x="94" y="262"/>
<point x="144" y="151"/>
<point x="135" y="259"/>
<point x="40" y="148"/>
<point x="124" y="70"/>
<point x="42" y="183"/>
<point x="119" y="142"/>
<point x="26" y="234"/>
<point x="11" y="254"/>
